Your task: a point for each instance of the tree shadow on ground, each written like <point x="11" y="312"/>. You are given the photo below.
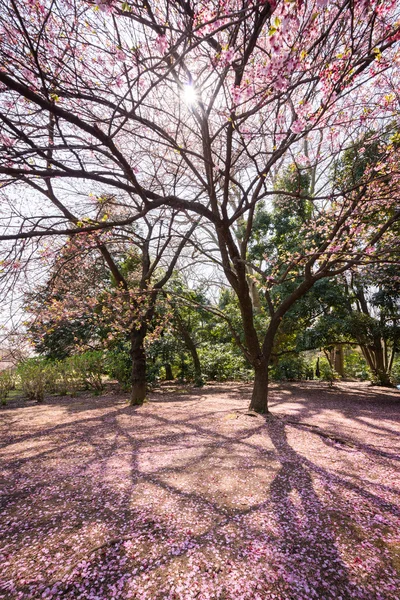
<point x="313" y="560"/>
<point x="146" y="521"/>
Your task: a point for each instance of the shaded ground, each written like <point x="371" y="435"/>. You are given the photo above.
<point x="190" y="497"/>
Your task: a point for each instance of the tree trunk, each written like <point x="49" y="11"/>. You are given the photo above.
<point x="191" y="346"/>
<point x="198" y="378"/>
<point x="255" y="296"/>
<point x="391" y="359"/>
<point x="138" y="394"/>
<point x="369" y="357"/>
<point x="317" y="369"/>
<point x="383" y="378"/>
<point x="168" y="372"/>
<point x="259" y="398"/>
<point x="339" y="360"/>
<point x="336" y="359"/>
<point x="375" y="359"/>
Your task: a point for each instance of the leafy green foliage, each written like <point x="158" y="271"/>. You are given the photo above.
<point x="7" y="383"/>
<point x="355" y="365"/>
<point x="350" y="169"/>
<point x="89" y="368"/>
<point x="292" y="210"/>
<point x="327" y="372"/>
<point x="221" y="363"/>
<point x="396" y="371"/>
<point x="118" y="364"/>
<point x="61" y="340"/>
<point x="291" y="367"/>
<point x="67" y="381"/>
<point x="276" y="232"/>
<point x="33" y="375"/>
<point x="38" y="375"/>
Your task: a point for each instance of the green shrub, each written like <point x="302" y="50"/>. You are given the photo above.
<point x="7" y="383"/>
<point x="220" y="363"/>
<point x="88" y="369"/>
<point x="67" y="381"/>
<point x="396" y="371"/>
<point x="38" y="375"/>
<point x="33" y="374"/>
<point x="153" y="369"/>
<point x="290" y="367"/>
<point x="51" y="377"/>
<point x="327" y="373"/>
<point x="119" y="367"/>
<point x="355" y="365"/>
<point x="62" y="378"/>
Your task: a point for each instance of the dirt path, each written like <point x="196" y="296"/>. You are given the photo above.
<point x="190" y="497"/>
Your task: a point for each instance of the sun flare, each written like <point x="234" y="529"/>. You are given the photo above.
<point x="189" y="94"/>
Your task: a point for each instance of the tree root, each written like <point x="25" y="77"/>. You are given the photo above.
<point x="330" y="436"/>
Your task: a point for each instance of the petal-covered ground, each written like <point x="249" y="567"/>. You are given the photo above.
<point x="192" y="497"/>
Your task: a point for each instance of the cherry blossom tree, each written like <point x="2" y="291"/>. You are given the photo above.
<point x="108" y="286"/>
<point x="199" y="107"/>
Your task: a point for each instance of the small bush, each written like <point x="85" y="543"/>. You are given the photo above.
<point x="88" y="369"/>
<point x="119" y="367"/>
<point x="327" y="373"/>
<point x="290" y="367"/>
<point x="220" y="363"/>
<point x="51" y="377"/>
<point x="396" y="371"/>
<point x="67" y="381"/>
<point x="33" y="374"/>
<point x="355" y="365"/>
<point x="7" y="383"/>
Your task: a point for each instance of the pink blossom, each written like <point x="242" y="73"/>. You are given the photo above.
<point x="227" y="56"/>
<point x="6" y="141"/>
<point x="120" y="55"/>
<point x="105" y="5"/>
<point x="162" y="44"/>
<point x="236" y="94"/>
<point x="298" y="125"/>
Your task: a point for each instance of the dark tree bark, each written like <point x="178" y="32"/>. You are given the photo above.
<point x="168" y="372"/>
<point x="198" y="378"/>
<point x="376" y="353"/>
<point x="317" y="369"/>
<point x="378" y="363"/>
<point x="191" y="346"/>
<point x="337" y="357"/>
<point x="260" y="362"/>
<point x="139" y="386"/>
<point x="259" y="397"/>
<point x="383" y="378"/>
